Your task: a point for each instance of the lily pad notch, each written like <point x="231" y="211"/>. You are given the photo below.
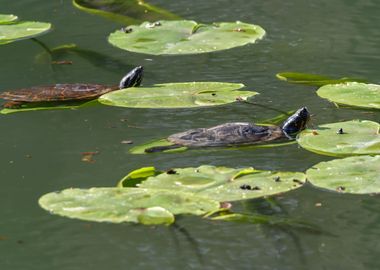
<point x="184" y="37"/>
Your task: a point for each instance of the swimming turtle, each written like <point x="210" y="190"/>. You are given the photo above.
<point x="68" y="92"/>
<point x="236" y="134"/>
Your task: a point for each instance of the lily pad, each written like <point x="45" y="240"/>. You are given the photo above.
<point x="357" y="137"/>
<point x="177" y="95"/>
<point x="312" y="79"/>
<point x="7" y="18"/>
<point x="185" y="37"/>
<point x="125" y="11"/>
<point x="141" y="149"/>
<point x="224" y="184"/>
<point x="358" y="175"/>
<point x="352" y="94"/>
<point x="42" y="106"/>
<point x="118" y="205"/>
<point x="12" y="30"/>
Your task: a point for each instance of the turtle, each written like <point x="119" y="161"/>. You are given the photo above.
<point x="236" y="134"/>
<point x="68" y="92"/>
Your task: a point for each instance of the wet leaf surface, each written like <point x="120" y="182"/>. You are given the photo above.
<point x="312" y="79"/>
<point x="125" y="11"/>
<point x="118" y="205"/>
<point x="177" y="95"/>
<point x="358" y="175"/>
<point x="356" y="137"/>
<point x="12" y="30"/>
<point x="184" y="37"/>
<point x="352" y="94"/>
<point x="224" y="184"/>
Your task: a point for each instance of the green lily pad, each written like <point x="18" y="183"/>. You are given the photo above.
<point x="353" y="94"/>
<point x="118" y="205"/>
<point x="125" y="11"/>
<point x="7" y="18"/>
<point x="11" y="30"/>
<point x="42" y="106"/>
<point x="140" y="149"/>
<point x="177" y="95"/>
<point x="224" y="184"/>
<point x="358" y="175"/>
<point x="358" y="138"/>
<point x="312" y="79"/>
<point x="137" y="176"/>
<point x="185" y="37"/>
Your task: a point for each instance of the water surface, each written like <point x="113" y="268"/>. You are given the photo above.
<point x="41" y="151"/>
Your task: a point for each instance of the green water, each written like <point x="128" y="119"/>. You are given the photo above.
<point x="41" y="151"/>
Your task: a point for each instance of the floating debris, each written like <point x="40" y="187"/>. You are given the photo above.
<point x="89" y="156"/>
<point x="63" y="62"/>
<point x="126" y="142"/>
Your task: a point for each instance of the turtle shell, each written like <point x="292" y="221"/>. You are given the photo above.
<point x="227" y="134"/>
<point x="58" y="92"/>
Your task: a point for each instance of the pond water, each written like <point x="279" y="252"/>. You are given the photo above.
<point x="41" y="151"/>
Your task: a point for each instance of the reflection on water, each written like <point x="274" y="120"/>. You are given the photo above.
<point x="41" y="151"/>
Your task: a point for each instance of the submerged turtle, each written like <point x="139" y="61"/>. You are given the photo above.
<point x="68" y="92"/>
<point x="236" y="134"/>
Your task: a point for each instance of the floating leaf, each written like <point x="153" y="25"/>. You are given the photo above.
<point x="125" y="204"/>
<point x="226" y="184"/>
<point x="125" y="11"/>
<point x="343" y="138"/>
<point x="136" y="176"/>
<point x="141" y="149"/>
<point x="184" y="37"/>
<point x="177" y="95"/>
<point x="7" y="18"/>
<point x="12" y="30"/>
<point x="40" y="106"/>
<point x="352" y="94"/>
<point x="359" y="175"/>
<point x="312" y="79"/>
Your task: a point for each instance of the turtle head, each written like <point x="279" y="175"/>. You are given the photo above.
<point x="296" y="122"/>
<point x="132" y="78"/>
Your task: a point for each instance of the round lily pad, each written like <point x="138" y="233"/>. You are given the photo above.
<point x="184" y="37"/>
<point x="11" y="30"/>
<point x="226" y="184"/>
<point x="352" y="94"/>
<point x="177" y="95"/>
<point x="146" y="206"/>
<point x="357" y="137"/>
<point x="359" y="175"/>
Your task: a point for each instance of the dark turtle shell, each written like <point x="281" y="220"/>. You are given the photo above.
<point x="234" y="134"/>
<point x="58" y="92"/>
<point x="227" y="134"/>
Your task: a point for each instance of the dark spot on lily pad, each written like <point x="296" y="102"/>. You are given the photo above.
<point x="340" y="189"/>
<point x="297" y="181"/>
<point x="171" y="171"/>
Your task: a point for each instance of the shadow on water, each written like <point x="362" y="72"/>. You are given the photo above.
<point x="60" y="53"/>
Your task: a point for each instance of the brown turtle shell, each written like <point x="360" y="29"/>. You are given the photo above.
<point x="58" y="92"/>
